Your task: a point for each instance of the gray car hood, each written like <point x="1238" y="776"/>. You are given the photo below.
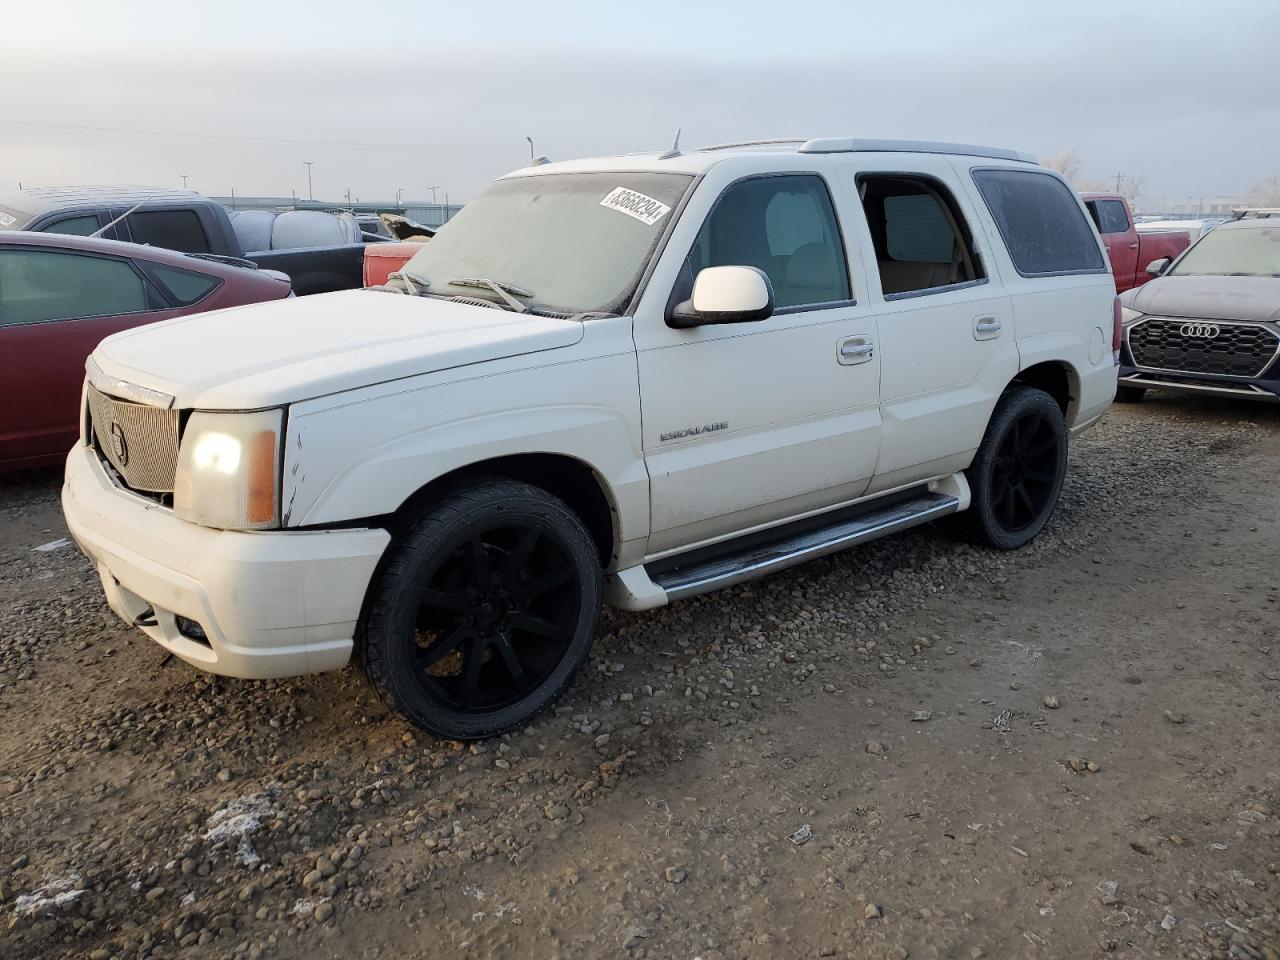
<point x="1208" y="298"/>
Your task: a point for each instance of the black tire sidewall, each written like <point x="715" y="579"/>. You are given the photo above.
<point x="393" y="610"/>
<point x="1014" y="404"/>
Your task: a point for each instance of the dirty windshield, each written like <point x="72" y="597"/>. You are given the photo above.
<point x="1246" y="251"/>
<point x="574" y="242"/>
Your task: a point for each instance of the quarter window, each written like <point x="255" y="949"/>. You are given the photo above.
<point x="185" y="286"/>
<point x="179" y="230"/>
<point x="921" y="239"/>
<point x="1041" y="222"/>
<point x="39" y="285"/>
<point x="783" y="225"/>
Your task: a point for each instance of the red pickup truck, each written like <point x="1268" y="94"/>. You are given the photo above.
<point x="1130" y="252"/>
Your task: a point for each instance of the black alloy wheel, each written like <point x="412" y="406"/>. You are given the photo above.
<point x="1025" y="474"/>
<point x="485" y="612"/>
<point x="1016" y="476"/>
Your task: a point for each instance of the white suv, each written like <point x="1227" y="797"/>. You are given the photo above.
<point x="624" y="380"/>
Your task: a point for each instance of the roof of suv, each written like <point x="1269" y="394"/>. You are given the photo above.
<point x="39" y="200"/>
<point x="700" y="159"/>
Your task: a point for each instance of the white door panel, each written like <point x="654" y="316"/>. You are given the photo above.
<point x="752" y="423"/>
<point x="946" y="352"/>
<point x="939" y="381"/>
<point x="787" y="420"/>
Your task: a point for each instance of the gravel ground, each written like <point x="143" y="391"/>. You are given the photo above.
<point x="914" y="749"/>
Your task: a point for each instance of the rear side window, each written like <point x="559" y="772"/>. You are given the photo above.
<point x="179" y="230"/>
<point x="1108" y="216"/>
<point x="1043" y="227"/>
<point x="921" y="239"/>
<point x="184" y="286"/>
<point x="37" y="286"/>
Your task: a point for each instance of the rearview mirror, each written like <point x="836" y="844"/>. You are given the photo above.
<point x="726" y="295"/>
<point x="1158" y="267"/>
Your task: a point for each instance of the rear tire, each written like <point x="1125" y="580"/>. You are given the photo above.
<point x="484" y="611"/>
<point x="1130" y="394"/>
<point x="1016" y="476"/>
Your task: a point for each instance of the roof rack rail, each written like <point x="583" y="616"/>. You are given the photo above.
<point x="854" y="145"/>
<point x="1261" y="213"/>
<point x="777" y="141"/>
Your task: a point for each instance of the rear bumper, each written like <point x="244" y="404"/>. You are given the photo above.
<point x="270" y="604"/>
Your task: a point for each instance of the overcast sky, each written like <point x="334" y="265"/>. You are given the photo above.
<point x="389" y="94"/>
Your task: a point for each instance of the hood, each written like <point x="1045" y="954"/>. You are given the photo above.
<point x="268" y="354"/>
<point x="1208" y="298"/>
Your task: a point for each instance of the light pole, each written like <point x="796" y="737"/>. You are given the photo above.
<point x="433" y="194"/>
<point x="530" y="139"/>
<point x="399" y="190"/>
<point x="310" y="195"/>
<point x="184" y="180"/>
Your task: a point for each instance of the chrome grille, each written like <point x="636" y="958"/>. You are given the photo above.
<point x="1203" y="346"/>
<point x="139" y="441"/>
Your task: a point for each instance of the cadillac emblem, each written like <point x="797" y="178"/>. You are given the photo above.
<point x="121" y="444"/>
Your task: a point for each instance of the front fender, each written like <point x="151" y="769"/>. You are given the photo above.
<point x="363" y="455"/>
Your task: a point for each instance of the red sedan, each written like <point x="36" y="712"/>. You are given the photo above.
<point x="60" y="295"/>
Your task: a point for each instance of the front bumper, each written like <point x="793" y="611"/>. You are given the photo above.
<point x="1264" y="386"/>
<point x="270" y="604"/>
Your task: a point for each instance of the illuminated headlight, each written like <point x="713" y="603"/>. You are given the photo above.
<point x="229" y="470"/>
<point x="1128" y="315"/>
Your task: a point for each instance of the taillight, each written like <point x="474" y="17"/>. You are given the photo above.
<point x="1117" y="331"/>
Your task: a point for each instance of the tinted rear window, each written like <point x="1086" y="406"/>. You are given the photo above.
<point x="1109" y="215"/>
<point x="179" y="230"/>
<point x="1043" y="226"/>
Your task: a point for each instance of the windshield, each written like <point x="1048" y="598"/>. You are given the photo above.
<point x="1234" y="252"/>
<point x="574" y="242"/>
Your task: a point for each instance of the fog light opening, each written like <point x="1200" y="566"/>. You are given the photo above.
<point x="191" y="630"/>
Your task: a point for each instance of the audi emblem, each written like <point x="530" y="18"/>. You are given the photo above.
<point x="121" y="445"/>
<point x="1200" y="331"/>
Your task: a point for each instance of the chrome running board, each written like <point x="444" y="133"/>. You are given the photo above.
<point x="689" y="576"/>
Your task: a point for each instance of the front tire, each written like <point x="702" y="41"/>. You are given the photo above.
<point x="1016" y="476"/>
<point x="484" y="612"/>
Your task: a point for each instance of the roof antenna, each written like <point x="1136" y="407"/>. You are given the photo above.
<point x="674" y="151"/>
<point x="535" y="161"/>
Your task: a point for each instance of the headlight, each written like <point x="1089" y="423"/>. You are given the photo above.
<point x="1128" y="315"/>
<point x="229" y="470"/>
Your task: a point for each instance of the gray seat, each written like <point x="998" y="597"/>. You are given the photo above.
<point x="812" y="276"/>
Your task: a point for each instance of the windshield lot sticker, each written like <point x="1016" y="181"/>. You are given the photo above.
<point x="645" y="209"/>
<point x="6" y="220"/>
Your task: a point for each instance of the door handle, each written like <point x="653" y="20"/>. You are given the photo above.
<point x="1133" y="246"/>
<point x="855" y="350"/>
<point x="986" y="328"/>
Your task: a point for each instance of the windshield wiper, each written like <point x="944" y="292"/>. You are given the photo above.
<point x="507" y="291"/>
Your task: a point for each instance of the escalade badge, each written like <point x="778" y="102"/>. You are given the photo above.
<point x="122" y="445"/>
<point x="694" y="431"/>
<point x="1201" y="331"/>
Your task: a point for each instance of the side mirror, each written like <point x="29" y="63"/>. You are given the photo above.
<point x="726" y="295"/>
<point x="1158" y="267"/>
